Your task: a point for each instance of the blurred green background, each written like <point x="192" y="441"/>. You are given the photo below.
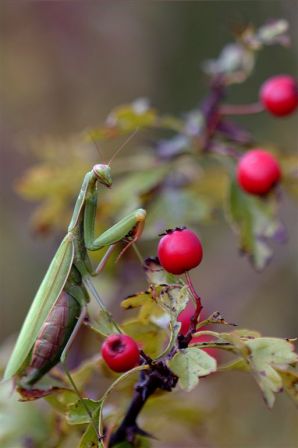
<point x="64" y="66"/>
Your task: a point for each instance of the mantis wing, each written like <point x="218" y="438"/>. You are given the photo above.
<point x="45" y="298"/>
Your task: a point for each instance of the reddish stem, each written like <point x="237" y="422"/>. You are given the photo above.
<point x="194" y="318"/>
<point x="241" y="109"/>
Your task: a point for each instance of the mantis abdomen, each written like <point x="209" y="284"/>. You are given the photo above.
<point x="53" y="337"/>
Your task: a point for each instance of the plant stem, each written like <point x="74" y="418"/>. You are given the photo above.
<point x="241" y="109"/>
<point x="158" y="377"/>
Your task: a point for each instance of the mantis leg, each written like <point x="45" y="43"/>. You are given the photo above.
<point x="68" y="374"/>
<point x="128" y="228"/>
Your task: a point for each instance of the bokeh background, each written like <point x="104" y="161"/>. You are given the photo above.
<point x="64" y="66"/>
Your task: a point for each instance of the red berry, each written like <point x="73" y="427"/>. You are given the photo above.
<point x="258" y="171"/>
<point x="279" y="95"/>
<point x="120" y="352"/>
<point x="179" y="251"/>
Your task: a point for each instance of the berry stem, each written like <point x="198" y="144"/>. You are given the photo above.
<point x="183" y="341"/>
<point x="241" y="109"/>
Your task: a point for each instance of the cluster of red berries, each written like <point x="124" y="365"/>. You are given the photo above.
<point x="258" y="171"/>
<point x="180" y="250"/>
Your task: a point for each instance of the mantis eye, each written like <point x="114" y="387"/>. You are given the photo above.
<point x="103" y="174"/>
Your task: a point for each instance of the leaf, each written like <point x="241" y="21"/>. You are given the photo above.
<point x="35" y="393"/>
<point x="175" y="207"/>
<point x="156" y="274"/>
<point x="290" y="383"/>
<point x="173" y="299"/>
<point x="255" y="220"/>
<point x="273" y="32"/>
<point x="76" y="413"/>
<point x="148" y="335"/>
<point x="191" y="363"/>
<point x="147" y="302"/>
<point x="173" y="146"/>
<point x="89" y="438"/>
<point x="235" y="63"/>
<point x="266" y="357"/>
<point x="215" y="318"/>
<point x="126" y="118"/>
<point x="83" y="373"/>
<point x="103" y="323"/>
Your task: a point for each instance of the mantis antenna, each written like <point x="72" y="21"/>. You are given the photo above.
<point x="131" y="136"/>
<point x="97" y="148"/>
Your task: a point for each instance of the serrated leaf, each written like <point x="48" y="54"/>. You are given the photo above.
<point x="76" y="413"/>
<point x="255" y="220"/>
<point x="267" y="354"/>
<point x="191" y="363"/>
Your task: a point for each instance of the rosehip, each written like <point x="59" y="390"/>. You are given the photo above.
<point x="279" y="95"/>
<point x="120" y="352"/>
<point x="258" y="172"/>
<point x="179" y="250"/>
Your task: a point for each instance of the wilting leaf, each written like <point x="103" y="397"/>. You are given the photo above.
<point x="148" y="303"/>
<point x="156" y="274"/>
<point x="191" y="363"/>
<point x="290" y="383"/>
<point x="35" y="393"/>
<point x="256" y="221"/>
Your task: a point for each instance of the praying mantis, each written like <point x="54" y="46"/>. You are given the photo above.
<point x="59" y="306"/>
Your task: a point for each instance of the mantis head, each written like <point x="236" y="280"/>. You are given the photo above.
<point x="103" y="174"/>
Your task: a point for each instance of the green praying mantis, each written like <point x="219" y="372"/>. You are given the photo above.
<point x="59" y="306"/>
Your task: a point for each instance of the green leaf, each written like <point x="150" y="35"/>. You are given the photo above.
<point x="83" y="373"/>
<point x="89" y="438"/>
<point x="103" y="324"/>
<point x="267" y="354"/>
<point x="126" y="118"/>
<point x="191" y="363"/>
<point x="255" y="220"/>
<point x="175" y="207"/>
<point x="76" y="413"/>
<point x="149" y="335"/>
